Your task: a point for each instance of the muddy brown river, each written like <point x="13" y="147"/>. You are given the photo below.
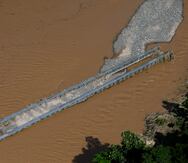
<point x="46" y="46"/>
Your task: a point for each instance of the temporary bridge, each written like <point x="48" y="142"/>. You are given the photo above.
<point x="81" y="92"/>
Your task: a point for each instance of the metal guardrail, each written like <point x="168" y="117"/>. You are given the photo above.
<point x="131" y="59"/>
<point x="84" y="96"/>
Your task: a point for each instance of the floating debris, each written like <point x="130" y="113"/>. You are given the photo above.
<point x="154" y="21"/>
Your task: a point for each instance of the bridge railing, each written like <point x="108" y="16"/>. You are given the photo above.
<point x="81" y="84"/>
<point x="83" y="97"/>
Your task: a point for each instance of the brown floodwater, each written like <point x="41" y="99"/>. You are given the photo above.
<point x="46" y="46"/>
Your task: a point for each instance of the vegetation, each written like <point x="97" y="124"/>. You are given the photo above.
<point x="169" y="133"/>
<point x="160" y="121"/>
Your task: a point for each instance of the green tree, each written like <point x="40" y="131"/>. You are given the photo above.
<point x="113" y="154"/>
<point x="169" y="148"/>
<point x="159" y="154"/>
<point x="185" y="102"/>
<point x="131" y="141"/>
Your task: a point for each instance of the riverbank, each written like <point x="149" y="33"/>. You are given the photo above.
<point x="164" y="139"/>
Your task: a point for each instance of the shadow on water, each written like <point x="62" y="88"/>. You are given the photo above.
<point x="93" y="146"/>
<point x="170" y="106"/>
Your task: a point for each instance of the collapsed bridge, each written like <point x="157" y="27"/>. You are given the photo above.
<point x="82" y="91"/>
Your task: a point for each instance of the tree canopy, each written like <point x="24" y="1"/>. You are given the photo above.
<point x="170" y="147"/>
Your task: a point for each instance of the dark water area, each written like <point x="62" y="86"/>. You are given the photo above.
<point x="46" y="46"/>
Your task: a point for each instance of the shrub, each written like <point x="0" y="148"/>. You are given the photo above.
<point x="130" y="141"/>
<point x="160" y="121"/>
